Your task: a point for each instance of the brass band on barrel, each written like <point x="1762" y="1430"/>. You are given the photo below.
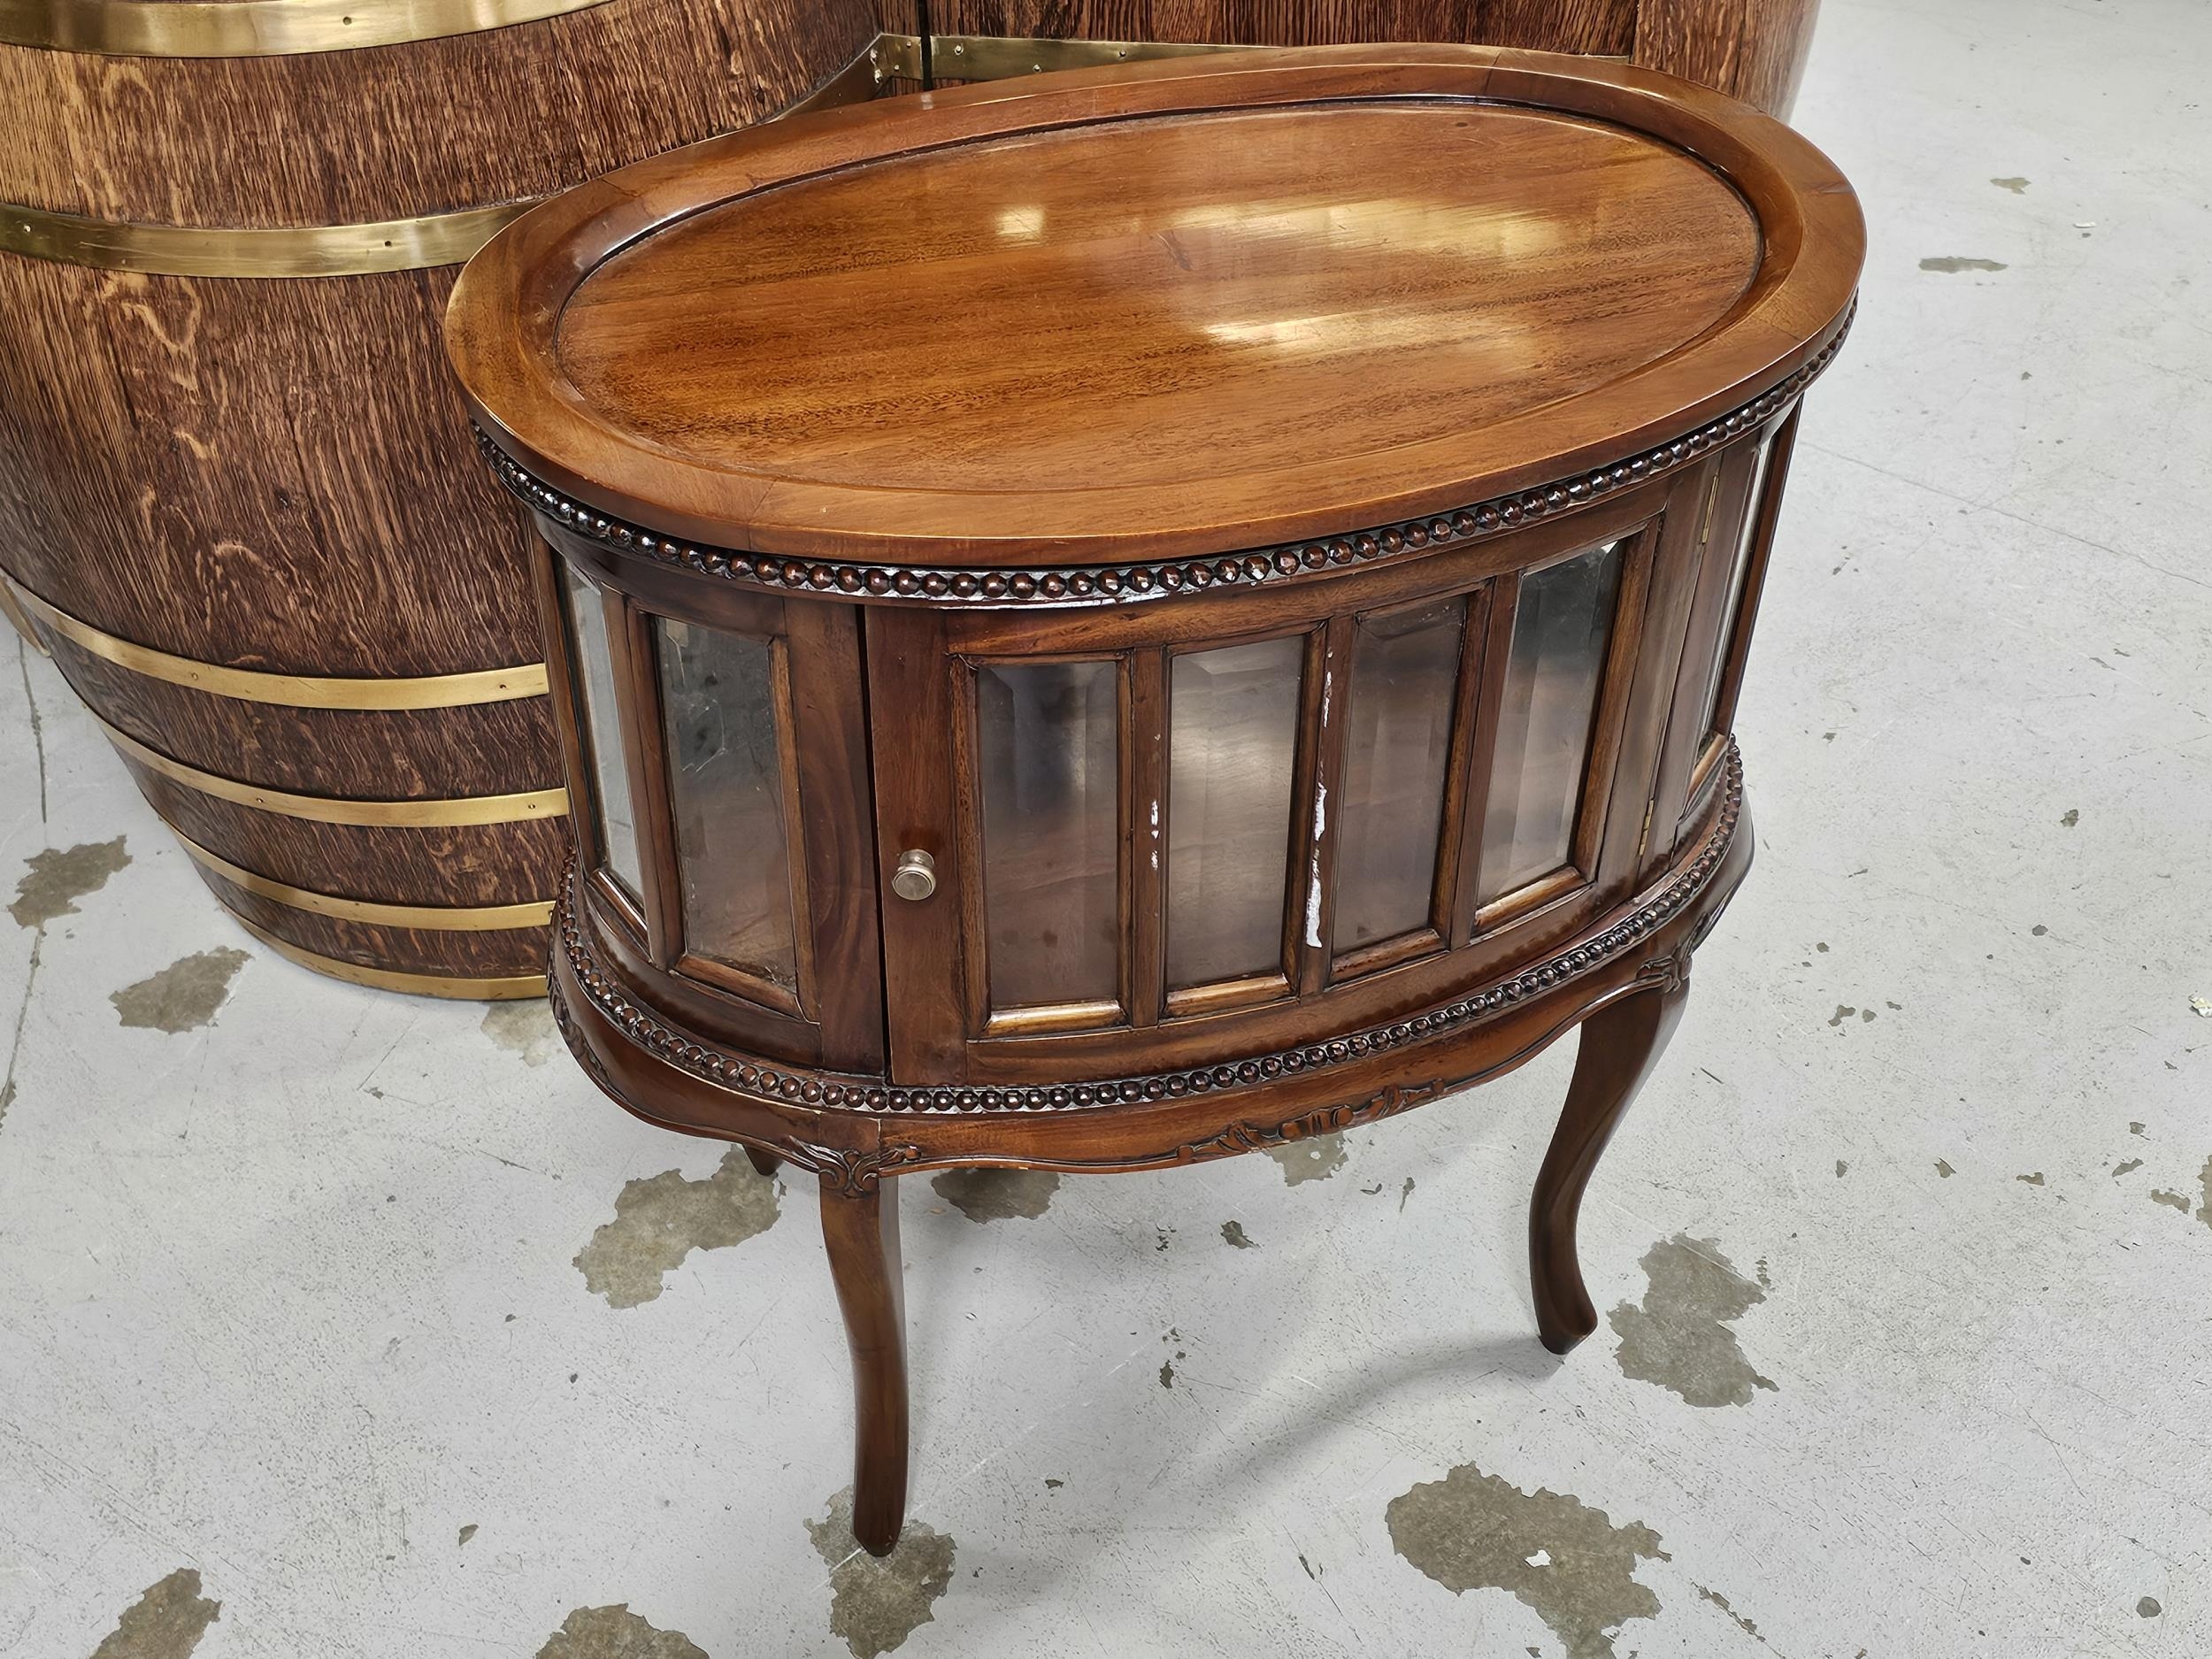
<point x="256" y="28"/>
<point x="319" y="809"/>
<point x="450" y="919"/>
<point x="506" y="988"/>
<point x="275" y="251"/>
<point x="292" y="691"/>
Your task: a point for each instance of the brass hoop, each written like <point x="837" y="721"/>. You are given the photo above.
<point x="450" y="918"/>
<point x="322" y="809"/>
<point x="291" y="691"/>
<point x="256" y="28"/>
<point x="510" y="988"/>
<point x="275" y="251"/>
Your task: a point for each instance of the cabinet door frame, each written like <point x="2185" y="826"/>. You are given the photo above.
<point x="833" y="1016"/>
<point x="932" y="965"/>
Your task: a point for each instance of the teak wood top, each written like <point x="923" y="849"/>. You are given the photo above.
<point x="1187" y="306"/>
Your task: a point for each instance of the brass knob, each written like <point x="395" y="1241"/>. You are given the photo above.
<point x="915" y="877"/>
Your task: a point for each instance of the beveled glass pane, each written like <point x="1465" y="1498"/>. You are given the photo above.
<point x="1232" y="722"/>
<point x="1050" y="767"/>
<point x="1397" y="740"/>
<point x="1560" y="628"/>
<point x="1738" y="568"/>
<point x="613" y="816"/>
<point x="725" y="792"/>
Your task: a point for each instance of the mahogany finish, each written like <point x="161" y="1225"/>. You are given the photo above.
<point x="1311" y="502"/>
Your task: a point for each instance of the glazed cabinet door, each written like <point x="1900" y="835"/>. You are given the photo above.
<point x="723" y="831"/>
<point x="1288" y="810"/>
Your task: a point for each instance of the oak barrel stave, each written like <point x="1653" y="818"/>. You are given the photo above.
<point x="274" y="475"/>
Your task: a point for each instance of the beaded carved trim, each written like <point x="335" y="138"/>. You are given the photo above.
<point x="816" y="1088"/>
<point x="1153" y="579"/>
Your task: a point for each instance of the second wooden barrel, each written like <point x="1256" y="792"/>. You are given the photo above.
<point x="233" y="505"/>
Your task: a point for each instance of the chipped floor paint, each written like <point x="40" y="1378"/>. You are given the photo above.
<point x="165" y="1623"/>
<point x="1679" y="1337"/>
<point x="56" y="877"/>
<point x="1315" y="1158"/>
<point x="663" y="1218"/>
<point x="185" y="995"/>
<point x="615" y="1632"/>
<point x="1472" y="1531"/>
<point x="876" y="1603"/>
<point x="987" y="1195"/>
<point x="524" y="1028"/>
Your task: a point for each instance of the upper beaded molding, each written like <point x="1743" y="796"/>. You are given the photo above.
<point x="1110" y="584"/>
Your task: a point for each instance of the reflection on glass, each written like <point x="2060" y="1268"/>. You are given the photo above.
<point x="1233" y="720"/>
<point x="1560" y="631"/>
<point x="616" y="818"/>
<point x="1397" y="738"/>
<point x="725" y="792"/>
<point x="1050" y="762"/>
<point x="1739" y="567"/>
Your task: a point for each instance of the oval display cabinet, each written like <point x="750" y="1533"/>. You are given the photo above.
<point x="1251" y="648"/>
<point x="231" y="505"/>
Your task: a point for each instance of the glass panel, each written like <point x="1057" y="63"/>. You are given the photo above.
<point x="1233" y="720"/>
<point x="725" y="792"/>
<point x="1561" y="627"/>
<point x="1397" y="738"/>
<point x="1049" y="764"/>
<point x="615" y="817"/>
<point x="1738" y="570"/>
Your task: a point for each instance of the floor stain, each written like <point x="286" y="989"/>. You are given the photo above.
<point x="2177" y="1200"/>
<point x="660" y="1220"/>
<point x="1953" y="264"/>
<point x="1167" y="1373"/>
<point x="58" y="876"/>
<point x="2148" y="1607"/>
<point x="876" y="1604"/>
<point x="1749" y="1627"/>
<point x="2172" y="1200"/>
<point x="165" y="1623"/>
<point x="1680" y="1337"/>
<point x="2035" y="1179"/>
<point x="615" y="1632"/>
<point x="1842" y="1169"/>
<point x="998" y="1195"/>
<point x="1945" y="1170"/>
<point x="1233" y="1233"/>
<point x="1315" y="1158"/>
<point x="2128" y="1168"/>
<point x="1405" y="1193"/>
<point x="467" y="1532"/>
<point x="1473" y="1532"/>
<point x="183" y="997"/>
<point x="2018" y="187"/>
<point x="526" y="1028"/>
<point x="2072" y="818"/>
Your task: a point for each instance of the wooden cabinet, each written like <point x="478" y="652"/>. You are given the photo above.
<point x="1223" y="629"/>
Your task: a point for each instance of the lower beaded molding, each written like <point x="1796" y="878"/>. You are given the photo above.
<point x="793" y="1086"/>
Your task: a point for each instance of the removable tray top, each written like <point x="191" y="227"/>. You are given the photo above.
<point x="1198" y="304"/>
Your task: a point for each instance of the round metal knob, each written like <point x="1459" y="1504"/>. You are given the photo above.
<point x="915" y="877"/>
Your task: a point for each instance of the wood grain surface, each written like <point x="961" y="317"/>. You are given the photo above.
<point x="276" y="474"/>
<point x="1087" y="372"/>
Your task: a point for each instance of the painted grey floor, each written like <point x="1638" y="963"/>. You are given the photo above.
<point x="365" y="1321"/>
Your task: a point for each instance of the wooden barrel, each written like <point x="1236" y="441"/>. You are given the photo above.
<point x="237" y="500"/>
<point x="1752" y="50"/>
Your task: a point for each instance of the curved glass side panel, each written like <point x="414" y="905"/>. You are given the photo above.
<point x="1397" y="743"/>
<point x="719" y="712"/>
<point x="1232" y="722"/>
<point x="614" y="818"/>
<point x="1048" y="768"/>
<point x="1562" y="625"/>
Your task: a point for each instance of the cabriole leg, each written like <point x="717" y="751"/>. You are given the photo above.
<point x="1620" y="1045"/>
<point x="860" y="1230"/>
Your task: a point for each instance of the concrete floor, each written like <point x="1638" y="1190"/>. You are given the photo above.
<point x="366" y="1321"/>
